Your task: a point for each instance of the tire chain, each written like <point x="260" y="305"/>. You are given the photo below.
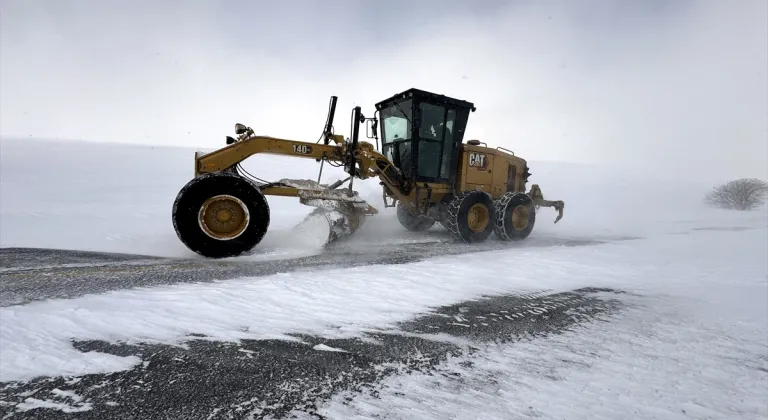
<point x="501" y="204"/>
<point x="452" y="214"/>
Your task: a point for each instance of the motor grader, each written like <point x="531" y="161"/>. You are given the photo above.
<point x="425" y="168"/>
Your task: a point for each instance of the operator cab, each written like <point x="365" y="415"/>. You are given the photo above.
<point x="422" y="133"/>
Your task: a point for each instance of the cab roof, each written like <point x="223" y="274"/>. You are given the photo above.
<point x="423" y="95"/>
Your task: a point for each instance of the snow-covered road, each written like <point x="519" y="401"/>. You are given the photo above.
<point x="30" y="274"/>
<point x="271" y="378"/>
<point x="686" y="338"/>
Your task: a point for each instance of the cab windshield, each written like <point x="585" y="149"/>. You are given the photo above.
<point x="396" y="122"/>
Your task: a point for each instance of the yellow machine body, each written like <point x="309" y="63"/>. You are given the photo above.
<point x="426" y="170"/>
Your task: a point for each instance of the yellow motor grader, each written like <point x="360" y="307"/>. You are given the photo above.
<point x="425" y="168"/>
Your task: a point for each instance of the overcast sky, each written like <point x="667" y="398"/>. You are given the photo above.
<point x="677" y="85"/>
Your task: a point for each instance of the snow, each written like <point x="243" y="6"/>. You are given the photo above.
<point x="324" y="347"/>
<point x="663" y="364"/>
<point x="691" y="344"/>
<point x="34" y="338"/>
<point x="118" y="198"/>
<point x="78" y="406"/>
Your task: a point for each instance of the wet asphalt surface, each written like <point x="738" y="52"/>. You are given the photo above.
<point x="265" y="378"/>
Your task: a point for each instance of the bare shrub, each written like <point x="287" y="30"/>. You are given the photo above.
<point x="740" y="194"/>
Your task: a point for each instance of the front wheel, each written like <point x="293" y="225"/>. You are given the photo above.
<point x="220" y="215"/>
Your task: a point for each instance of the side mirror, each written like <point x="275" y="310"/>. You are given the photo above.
<point x="240" y="129"/>
<point x="371" y="126"/>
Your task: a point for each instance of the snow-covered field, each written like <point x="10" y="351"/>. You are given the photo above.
<point x="691" y="344"/>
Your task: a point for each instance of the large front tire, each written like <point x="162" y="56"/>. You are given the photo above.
<point x="221" y="214"/>
<point x="515" y="216"/>
<point x="470" y="216"/>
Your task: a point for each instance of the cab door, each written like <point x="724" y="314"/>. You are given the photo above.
<point x="438" y="145"/>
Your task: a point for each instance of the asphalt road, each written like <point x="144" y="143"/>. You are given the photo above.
<point x="264" y="378"/>
<point x="36" y="274"/>
<point x="270" y="378"/>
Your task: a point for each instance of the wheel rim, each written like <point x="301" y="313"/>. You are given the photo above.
<point x="477" y="218"/>
<point x="223" y="217"/>
<point x="520" y="217"/>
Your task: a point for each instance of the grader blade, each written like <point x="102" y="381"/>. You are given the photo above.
<point x="326" y="227"/>
<point x="338" y="214"/>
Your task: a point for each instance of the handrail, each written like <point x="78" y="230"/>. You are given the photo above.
<point x="506" y="150"/>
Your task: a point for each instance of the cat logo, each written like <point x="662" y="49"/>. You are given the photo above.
<point x="478" y="160"/>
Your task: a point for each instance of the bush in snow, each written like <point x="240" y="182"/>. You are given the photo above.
<point x="740" y="194"/>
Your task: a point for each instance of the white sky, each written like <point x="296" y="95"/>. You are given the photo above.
<point x="670" y="85"/>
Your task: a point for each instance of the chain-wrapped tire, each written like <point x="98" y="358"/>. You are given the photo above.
<point x="413" y="222"/>
<point x="470" y="216"/>
<point x="515" y="216"/>
<point x="221" y="214"/>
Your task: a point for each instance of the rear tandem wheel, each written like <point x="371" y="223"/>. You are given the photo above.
<point x="220" y="215"/>
<point x="515" y="216"/>
<point x="470" y="216"/>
